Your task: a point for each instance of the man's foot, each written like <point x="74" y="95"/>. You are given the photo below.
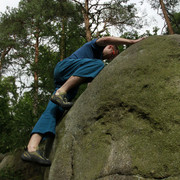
<point x="36" y="157"/>
<point x="61" y="100"/>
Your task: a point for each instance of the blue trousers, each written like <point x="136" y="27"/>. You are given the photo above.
<point x="88" y="68"/>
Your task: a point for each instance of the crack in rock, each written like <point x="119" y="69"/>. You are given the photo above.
<point x="72" y="157"/>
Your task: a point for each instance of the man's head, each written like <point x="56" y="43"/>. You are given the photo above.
<point x="110" y="52"/>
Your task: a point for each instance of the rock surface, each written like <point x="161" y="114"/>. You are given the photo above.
<point x="12" y="167"/>
<point x="126" y="125"/>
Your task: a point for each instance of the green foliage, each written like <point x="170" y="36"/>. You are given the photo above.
<point x="16" y="117"/>
<point x="175" y="20"/>
<point x="122" y="14"/>
<point x="18" y="30"/>
<point x="24" y="120"/>
<point x="45" y="68"/>
<point x="169" y="4"/>
<point x="9" y="174"/>
<point x="8" y="97"/>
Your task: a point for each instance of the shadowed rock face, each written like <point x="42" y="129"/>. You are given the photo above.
<point x="12" y="167"/>
<point x="126" y="125"/>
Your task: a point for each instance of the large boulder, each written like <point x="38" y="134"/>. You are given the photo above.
<point x="126" y="125"/>
<point x="12" y="167"/>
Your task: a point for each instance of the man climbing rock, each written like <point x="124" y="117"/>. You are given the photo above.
<point x="82" y="66"/>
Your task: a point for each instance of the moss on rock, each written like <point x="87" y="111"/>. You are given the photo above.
<point x="127" y="122"/>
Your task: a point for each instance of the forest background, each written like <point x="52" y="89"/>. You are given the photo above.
<point x="39" y="33"/>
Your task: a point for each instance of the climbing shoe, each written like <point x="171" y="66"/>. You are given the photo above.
<point x="35" y="156"/>
<point x="61" y="100"/>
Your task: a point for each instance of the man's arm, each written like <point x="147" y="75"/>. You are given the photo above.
<point x="104" y="41"/>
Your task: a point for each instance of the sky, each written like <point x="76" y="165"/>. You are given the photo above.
<point x="10" y="3"/>
<point x="151" y="16"/>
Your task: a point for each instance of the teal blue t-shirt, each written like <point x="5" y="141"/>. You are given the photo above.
<point x="89" y="50"/>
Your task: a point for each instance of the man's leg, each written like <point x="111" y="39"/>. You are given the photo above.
<point x="72" y="82"/>
<point x="79" y="71"/>
<point x="34" y="142"/>
<point x="60" y="97"/>
<point x="32" y="154"/>
<point x="45" y="124"/>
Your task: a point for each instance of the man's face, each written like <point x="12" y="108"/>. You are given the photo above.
<point x="109" y="52"/>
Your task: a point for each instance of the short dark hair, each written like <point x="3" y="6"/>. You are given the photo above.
<point x="116" y="48"/>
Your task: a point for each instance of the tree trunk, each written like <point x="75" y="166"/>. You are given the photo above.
<point x="86" y="20"/>
<point x="63" y="39"/>
<point x="35" y="108"/>
<point x="166" y="17"/>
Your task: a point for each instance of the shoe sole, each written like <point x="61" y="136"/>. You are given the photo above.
<point x="34" y="159"/>
<point x="65" y="106"/>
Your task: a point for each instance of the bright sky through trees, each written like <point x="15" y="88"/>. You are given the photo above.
<point x="150" y="16"/>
